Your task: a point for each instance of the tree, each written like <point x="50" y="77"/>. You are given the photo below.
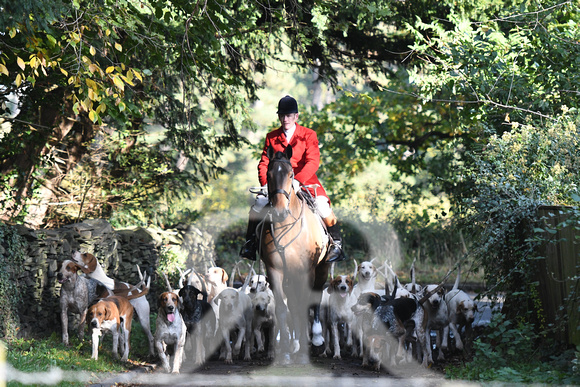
<point x="89" y="76"/>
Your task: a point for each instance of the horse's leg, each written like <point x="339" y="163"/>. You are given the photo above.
<point x="276" y="279"/>
<point x="298" y="310"/>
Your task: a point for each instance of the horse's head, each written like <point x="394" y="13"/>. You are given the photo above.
<point x="280" y="177"/>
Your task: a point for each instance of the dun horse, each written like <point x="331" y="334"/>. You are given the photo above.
<point x="293" y="247"/>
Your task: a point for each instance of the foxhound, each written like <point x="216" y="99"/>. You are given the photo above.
<point x="438" y="320"/>
<point x="171" y="331"/>
<point x="461" y="313"/>
<point x="112" y="314"/>
<point x="92" y="268"/>
<point x="338" y="302"/>
<point x="235" y="314"/>
<point x="76" y="294"/>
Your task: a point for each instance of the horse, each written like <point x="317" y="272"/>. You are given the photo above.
<point x="293" y="245"/>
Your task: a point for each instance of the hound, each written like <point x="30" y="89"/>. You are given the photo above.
<point x="199" y="319"/>
<point x="217" y="280"/>
<point x="264" y="320"/>
<point x="461" y="313"/>
<point x="366" y="279"/>
<point x="235" y="315"/>
<point x="400" y="317"/>
<point x="170" y="331"/>
<point x="112" y="314"/>
<point x="438" y="320"/>
<point x="92" y="268"/>
<point x="76" y="294"/>
<point x="258" y="283"/>
<point x="339" y="302"/>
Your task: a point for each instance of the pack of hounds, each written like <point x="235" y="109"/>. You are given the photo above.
<point x="208" y="316"/>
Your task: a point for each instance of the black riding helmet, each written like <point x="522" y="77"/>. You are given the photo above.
<point x="287" y="105"/>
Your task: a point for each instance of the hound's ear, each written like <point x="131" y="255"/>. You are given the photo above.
<point x="159" y="300"/>
<point x="330" y="287"/>
<point x="102" y="291"/>
<point x="460" y="307"/>
<point x="224" y="276"/>
<point x="76" y="267"/>
<point x="270" y="152"/>
<point x="108" y="313"/>
<point x="288" y="151"/>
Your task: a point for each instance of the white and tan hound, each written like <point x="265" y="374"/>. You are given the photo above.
<point x="112" y="314"/>
<point x="461" y="313"/>
<point x="264" y="320"/>
<point x="235" y="314"/>
<point x="338" y="302"/>
<point x="171" y="331"/>
<point x="217" y="280"/>
<point x="76" y="294"/>
<point x="136" y="294"/>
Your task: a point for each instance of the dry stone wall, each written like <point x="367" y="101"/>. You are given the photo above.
<point x="118" y="252"/>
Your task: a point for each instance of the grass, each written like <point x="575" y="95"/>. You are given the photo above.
<point x="49" y="361"/>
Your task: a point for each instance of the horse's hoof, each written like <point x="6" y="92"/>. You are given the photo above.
<point x="283" y="359"/>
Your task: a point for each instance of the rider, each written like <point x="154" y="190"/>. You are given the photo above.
<point x="305" y="161"/>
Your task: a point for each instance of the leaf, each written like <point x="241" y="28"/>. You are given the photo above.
<point x="18" y="80"/>
<point x="64" y="72"/>
<point x="93" y="116"/>
<point x="51" y="39"/>
<point x="93" y="51"/>
<point x="20" y="63"/>
<point x="110" y="69"/>
<point x="119" y="83"/>
<point x="118" y="47"/>
<point x="138" y="75"/>
<point x="4" y="70"/>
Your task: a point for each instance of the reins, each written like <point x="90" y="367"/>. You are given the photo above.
<point x="286" y="229"/>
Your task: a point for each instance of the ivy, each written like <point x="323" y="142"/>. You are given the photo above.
<point x="12" y="256"/>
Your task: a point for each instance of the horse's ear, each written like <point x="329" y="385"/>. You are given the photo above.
<point x="270" y="152"/>
<point x="288" y="152"/>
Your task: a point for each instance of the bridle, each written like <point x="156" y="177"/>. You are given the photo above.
<point x="282" y="216"/>
<point x="285" y="228"/>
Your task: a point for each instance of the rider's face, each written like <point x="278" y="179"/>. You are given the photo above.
<point x="288" y="120"/>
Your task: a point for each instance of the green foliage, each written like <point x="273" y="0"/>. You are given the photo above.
<point x="504" y="185"/>
<point x="506" y="352"/>
<point x="171" y="261"/>
<point x="520" y="62"/>
<point x="12" y="256"/>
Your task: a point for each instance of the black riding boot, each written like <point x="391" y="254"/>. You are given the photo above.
<point x="249" y="248"/>
<point x="335" y="253"/>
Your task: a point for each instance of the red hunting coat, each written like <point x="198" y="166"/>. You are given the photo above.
<point x="305" y="156"/>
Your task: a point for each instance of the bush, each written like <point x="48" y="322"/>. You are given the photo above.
<point x="507" y="352"/>
<point x="506" y="182"/>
